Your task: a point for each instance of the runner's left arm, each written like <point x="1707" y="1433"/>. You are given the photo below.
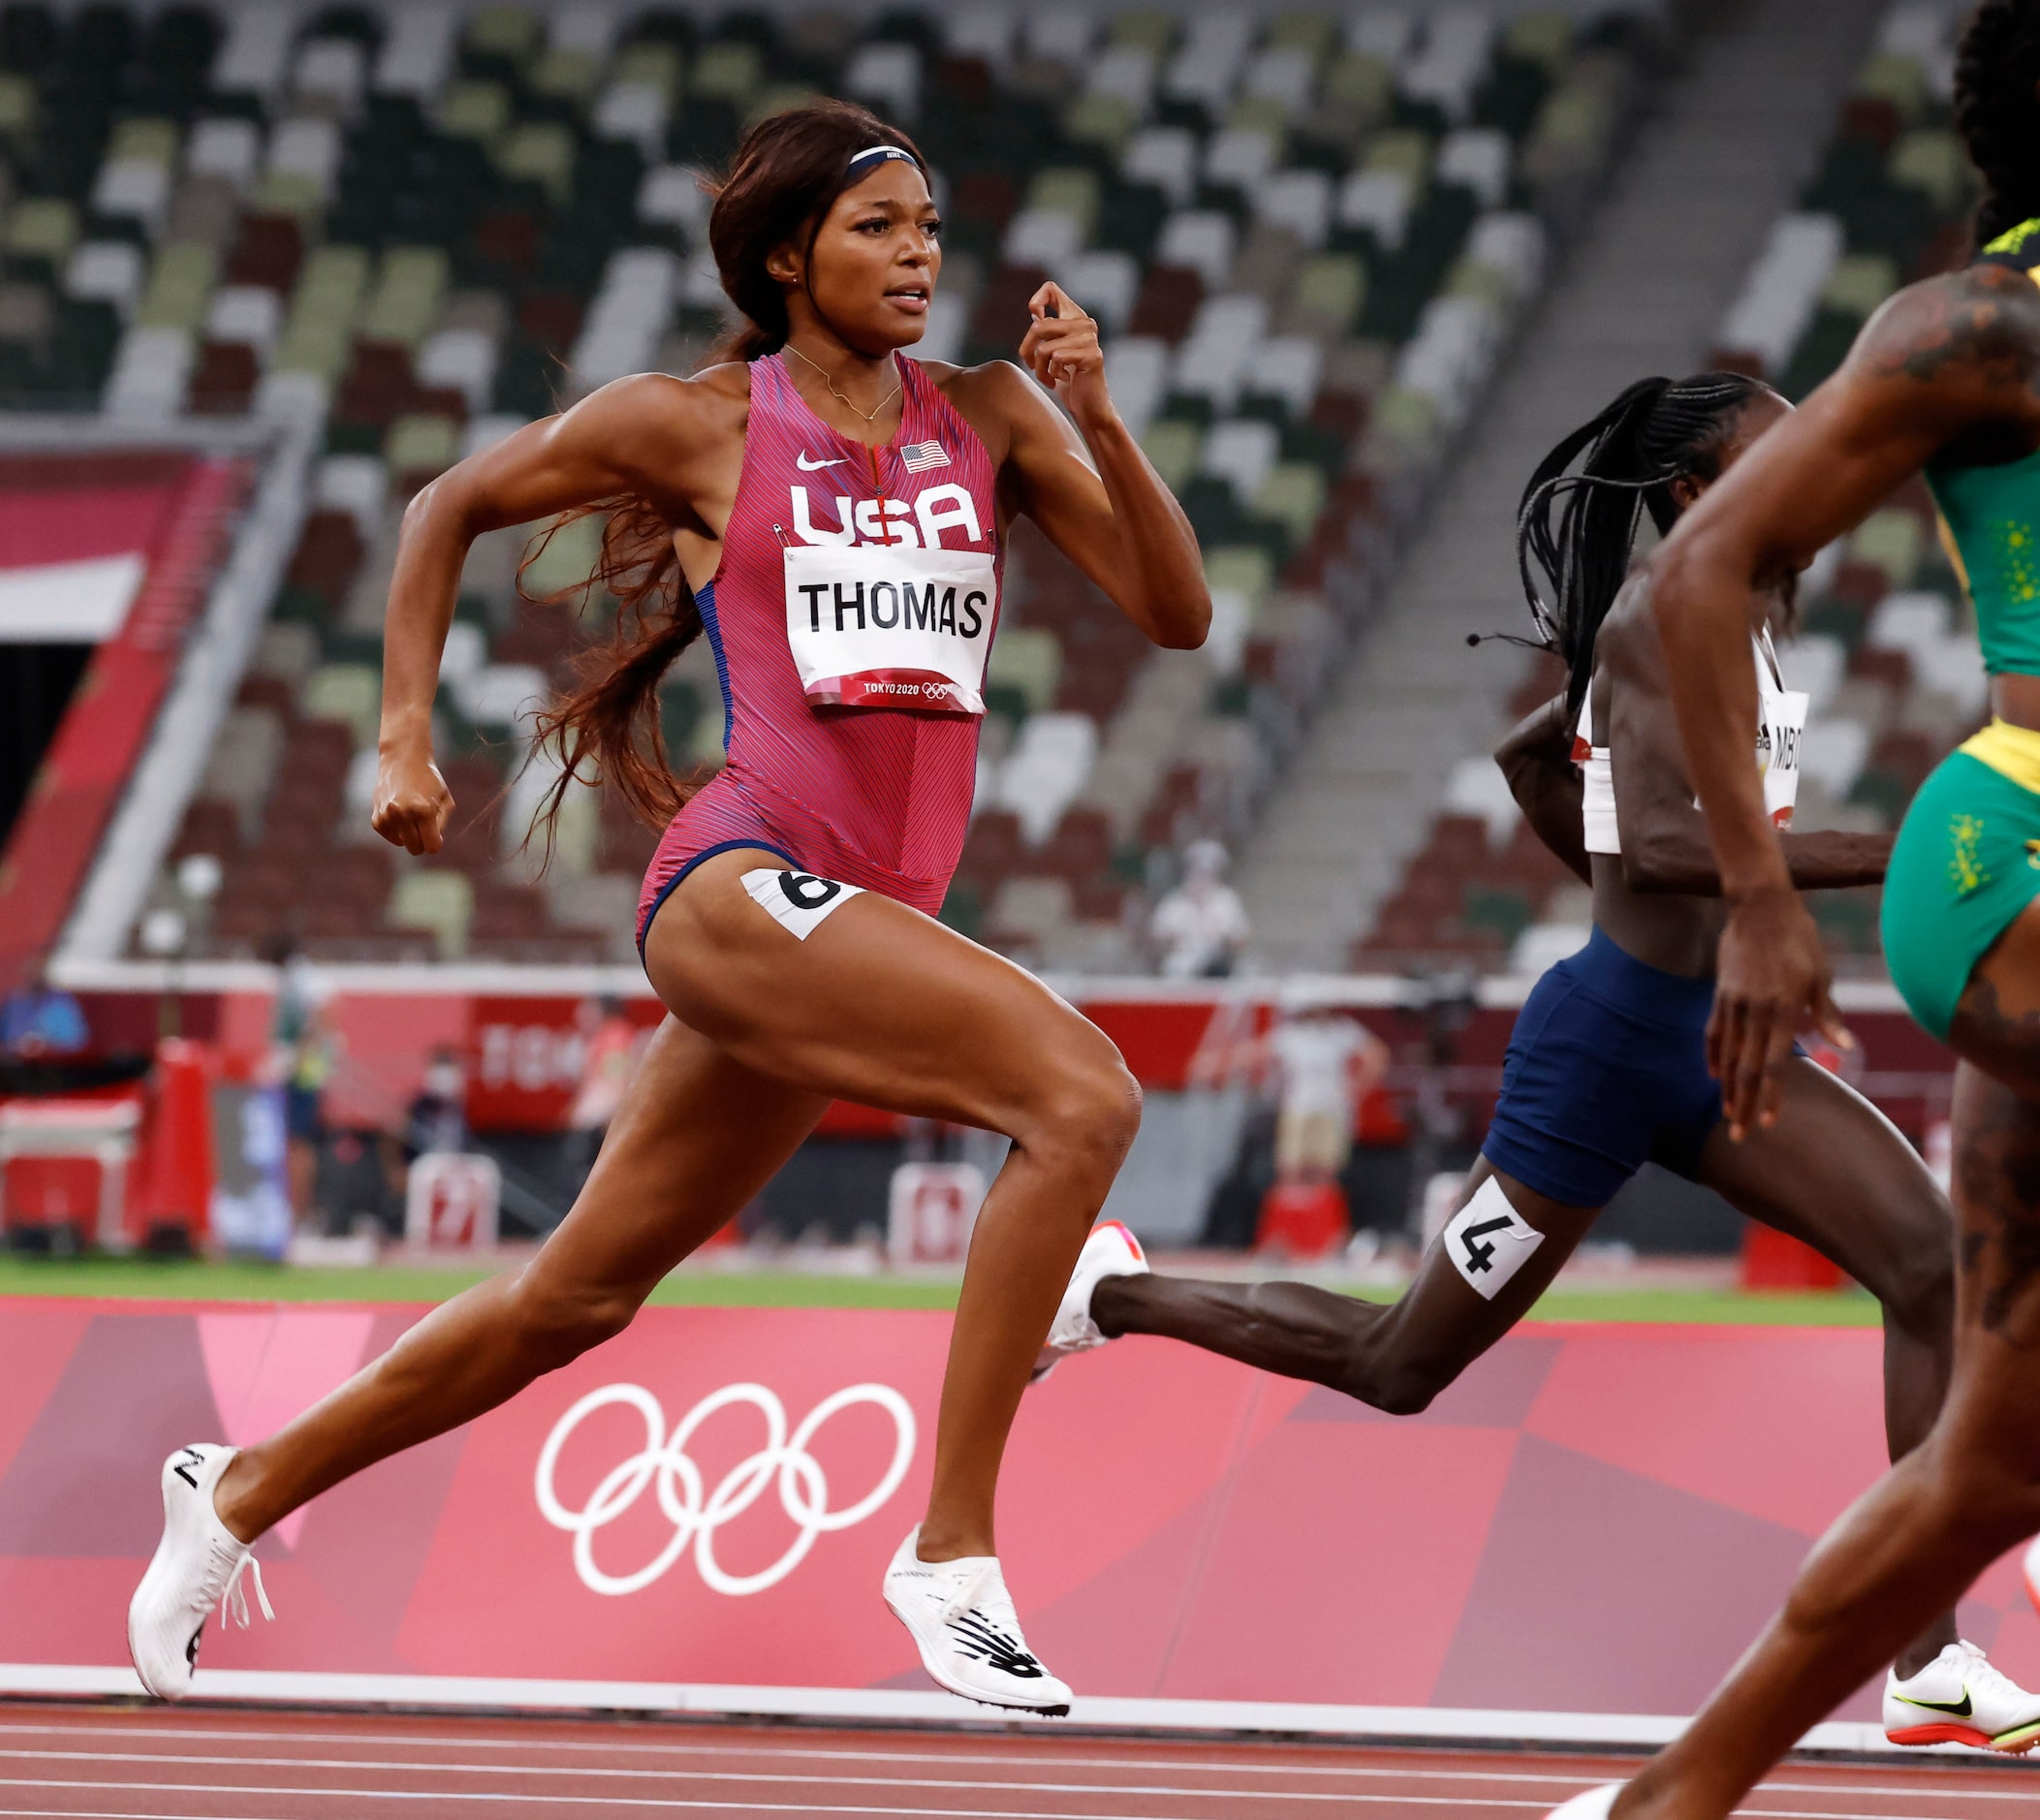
<point x="1096" y="494"/>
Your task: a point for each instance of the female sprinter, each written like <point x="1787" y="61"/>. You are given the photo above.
<point x="831" y="514"/>
<point x="1944" y="379"/>
<point x="1607" y="1068"/>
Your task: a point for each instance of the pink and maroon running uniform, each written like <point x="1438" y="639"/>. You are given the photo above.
<point x="851" y="616"/>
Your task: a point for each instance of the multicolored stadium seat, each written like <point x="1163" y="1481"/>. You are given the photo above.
<point x="1308" y="237"/>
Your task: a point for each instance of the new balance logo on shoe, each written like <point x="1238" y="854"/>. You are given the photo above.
<point x="991" y="1644"/>
<point x="191" y="1457"/>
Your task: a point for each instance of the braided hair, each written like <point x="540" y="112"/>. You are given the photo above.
<point x="1578" y="527"/>
<point x="1996" y="112"/>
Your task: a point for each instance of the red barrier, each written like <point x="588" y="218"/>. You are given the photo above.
<point x="1594" y="1521"/>
<point x="174" y="1170"/>
<point x="523" y="1050"/>
<point x="1774" y="1259"/>
<point x="1304" y="1219"/>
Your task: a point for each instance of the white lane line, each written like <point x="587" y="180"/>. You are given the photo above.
<point x="1355" y="1772"/>
<point x="620" y="1748"/>
<point x="768" y="1753"/>
<point x="736" y="1807"/>
<point x="951" y="1759"/>
<point x="394" y="1767"/>
<point x="931" y="1812"/>
<point x="746" y="1806"/>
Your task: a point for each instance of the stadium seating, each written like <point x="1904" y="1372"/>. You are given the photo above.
<point x="1308" y="237"/>
<point x="1887" y="651"/>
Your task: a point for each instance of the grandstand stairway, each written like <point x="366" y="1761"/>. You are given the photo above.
<point x="1642" y="291"/>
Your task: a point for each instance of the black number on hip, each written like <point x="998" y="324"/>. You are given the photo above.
<point x="804" y="892"/>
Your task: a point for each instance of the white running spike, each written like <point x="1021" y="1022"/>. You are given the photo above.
<point x="198" y="1568"/>
<point x="1596" y="1803"/>
<point x="961" y="1620"/>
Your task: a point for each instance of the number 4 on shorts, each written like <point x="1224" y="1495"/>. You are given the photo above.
<point x="1488" y="1241"/>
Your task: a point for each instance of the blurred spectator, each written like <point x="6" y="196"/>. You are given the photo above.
<point x="37" y="1020"/>
<point x="1326" y="1063"/>
<point x="301" y="1051"/>
<point x="607" y="1064"/>
<point x="437" y="1116"/>
<point x="1201" y="926"/>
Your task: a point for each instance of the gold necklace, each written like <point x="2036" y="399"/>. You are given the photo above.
<point x="869" y="416"/>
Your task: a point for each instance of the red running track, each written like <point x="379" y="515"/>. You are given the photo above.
<point x="196" y="1764"/>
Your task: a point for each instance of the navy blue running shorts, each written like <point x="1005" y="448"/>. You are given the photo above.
<point x="1606" y="1071"/>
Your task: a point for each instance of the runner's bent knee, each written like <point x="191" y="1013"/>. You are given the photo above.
<point x="1384" y="1371"/>
<point x="1088" y="1114"/>
<point x="1397" y="1387"/>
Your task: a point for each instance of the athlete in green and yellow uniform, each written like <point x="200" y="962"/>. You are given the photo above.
<point x="1944" y="379"/>
<point x="1968" y="856"/>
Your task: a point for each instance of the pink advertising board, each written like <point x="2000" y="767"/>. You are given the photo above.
<point x="1592" y="1524"/>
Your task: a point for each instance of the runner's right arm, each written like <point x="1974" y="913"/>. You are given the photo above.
<point x="1537" y="758"/>
<point x="649" y="435"/>
<point x="1938" y="359"/>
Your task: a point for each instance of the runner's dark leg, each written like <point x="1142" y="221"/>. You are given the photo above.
<point x="1393" y="1356"/>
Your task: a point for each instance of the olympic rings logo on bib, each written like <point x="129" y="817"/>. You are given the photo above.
<point x="662" y="1466"/>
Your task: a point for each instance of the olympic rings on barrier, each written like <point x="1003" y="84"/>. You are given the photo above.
<point x="677" y="1481"/>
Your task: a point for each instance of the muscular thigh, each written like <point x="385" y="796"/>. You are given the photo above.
<point x="696" y="1138"/>
<point x="1996" y="1032"/>
<point x="1835" y="1172"/>
<point x="1997" y="1201"/>
<point x="873" y="1001"/>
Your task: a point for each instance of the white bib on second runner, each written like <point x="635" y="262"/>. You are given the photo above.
<point x="1782" y="732"/>
<point x="887" y="626"/>
<point x="1781" y="735"/>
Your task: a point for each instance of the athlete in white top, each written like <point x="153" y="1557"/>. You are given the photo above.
<point x="1607" y="1068"/>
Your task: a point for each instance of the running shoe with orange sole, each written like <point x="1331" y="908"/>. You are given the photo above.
<point x="1111" y="1250"/>
<point x="1959" y="1699"/>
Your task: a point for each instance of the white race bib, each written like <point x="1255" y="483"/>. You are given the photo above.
<point x="1488" y="1241"/>
<point x="797" y="901"/>
<point x="1781" y="735"/>
<point x="887" y="626"/>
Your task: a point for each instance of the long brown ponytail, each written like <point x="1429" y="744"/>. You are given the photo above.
<point x="608" y="720"/>
<point x="789" y="168"/>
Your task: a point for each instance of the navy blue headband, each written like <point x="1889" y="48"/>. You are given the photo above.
<point x="872" y="157"/>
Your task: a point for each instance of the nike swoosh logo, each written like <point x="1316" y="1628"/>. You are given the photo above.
<point x="806" y="466"/>
<point x="1962" y="1709"/>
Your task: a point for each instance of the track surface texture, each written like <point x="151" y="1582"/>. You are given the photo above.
<point x="184" y="1764"/>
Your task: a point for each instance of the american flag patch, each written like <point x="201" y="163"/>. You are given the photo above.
<point x="918" y="456"/>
